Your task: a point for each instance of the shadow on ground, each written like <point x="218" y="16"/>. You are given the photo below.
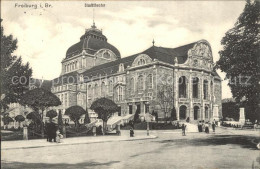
<point x="10" y="165"/>
<point x="243" y="141"/>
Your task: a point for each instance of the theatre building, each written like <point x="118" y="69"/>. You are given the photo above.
<point x="93" y="68"/>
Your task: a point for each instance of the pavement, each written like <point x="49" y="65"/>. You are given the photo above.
<point x="24" y="144"/>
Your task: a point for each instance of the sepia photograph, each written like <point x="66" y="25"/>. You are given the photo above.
<point x="130" y="84"/>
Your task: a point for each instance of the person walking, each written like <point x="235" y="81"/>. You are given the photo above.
<point x="183" y="128"/>
<point x="256" y="125"/>
<point x="207" y="128"/>
<point x="200" y="126"/>
<point x="213" y="125"/>
<point x="131" y="132"/>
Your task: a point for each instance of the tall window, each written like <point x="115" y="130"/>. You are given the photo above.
<point x="182" y="87"/>
<point x="90" y="92"/>
<point x="150" y="81"/>
<point x="76" y="64"/>
<point x="140" y="83"/>
<point x="103" y="89"/>
<point x="132" y="85"/>
<point x="195" y="87"/>
<point x="62" y="99"/>
<point x="110" y="86"/>
<point x="120" y="93"/>
<point x="206" y="112"/>
<point x="96" y="93"/>
<point x="205" y="89"/>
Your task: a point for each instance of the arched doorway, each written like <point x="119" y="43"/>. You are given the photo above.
<point x="206" y="112"/>
<point x="196" y="112"/>
<point x="183" y="110"/>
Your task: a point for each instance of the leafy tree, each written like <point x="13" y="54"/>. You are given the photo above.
<point x="105" y="108"/>
<point x="11" y="70"/>
<point x="173" y="114"/>
<point x="240" y="59"/>
<point x="6" y="120"/>
<point x="39" y="100"/>
<point x="86" y="119"/>
<point x="20" y="119"/>
<point x="51" y="114"/>
<point x="75" y="112"/>
<point x="165" y="97"/>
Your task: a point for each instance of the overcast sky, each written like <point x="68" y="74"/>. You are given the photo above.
<point x="44" y="34"/>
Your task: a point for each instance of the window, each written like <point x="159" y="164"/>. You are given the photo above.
<point x="205" y="89"/>
<point x="182" y="87"/>
<point x="96" y="91"/>
<point x="195" y="87"/>
<point x="106" y="55"/>
<point x="150" y="81"/>
<point x="132" y="85"/>
<point x="120" y="93"/>
<point x="65" y="100"/>
<point x="141" y="62"/>
<point x="140" y="83"/>
<point x="110" y="90"/>
<point x="62" y="99"/>
<point x="89" y="91"/>
<point x="206" y="112"/>
<point x="103" y="89"/>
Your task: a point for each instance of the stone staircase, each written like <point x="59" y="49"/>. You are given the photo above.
<point x="191" y="128"/>
<point x="117" y="120"/>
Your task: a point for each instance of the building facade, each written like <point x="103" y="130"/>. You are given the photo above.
<point x="93" y="68"/>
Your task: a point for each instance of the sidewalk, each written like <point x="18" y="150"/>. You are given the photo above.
<point x="24" y="144"/>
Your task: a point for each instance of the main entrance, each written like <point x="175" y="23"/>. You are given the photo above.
<point x="138" y="108"/>
<point x="196" y="112"/>
<point x="183" y="110"/>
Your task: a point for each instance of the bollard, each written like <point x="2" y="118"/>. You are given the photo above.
<point x="25" y="133"/>
<point x="64" y="131"/>
<point x="94" y="130"/>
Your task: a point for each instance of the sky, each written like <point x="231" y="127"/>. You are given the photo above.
<point x="45" y="34"/>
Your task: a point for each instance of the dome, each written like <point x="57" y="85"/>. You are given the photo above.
<point x="92" y="41"/>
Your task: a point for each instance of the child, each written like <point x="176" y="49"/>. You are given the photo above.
<point x="183" y="127"/>
<point x="58" y="136"/>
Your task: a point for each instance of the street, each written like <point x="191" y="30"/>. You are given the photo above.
<point x="226" y="149"/>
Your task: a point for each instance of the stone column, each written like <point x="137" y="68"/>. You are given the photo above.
<point x="242" y="118"/>
<point x="176" y="95"/>
<point x="190" y="97"/>
<point x="25" y="133"/>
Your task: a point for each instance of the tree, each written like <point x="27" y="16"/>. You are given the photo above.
<point x="75" y="112"/>
<point x="86" y="119"/>
<point x="240" y="59"/>
<point x="6" y="120"/>
<point x="20" y="119"/>
<point x="39" y="100"/>
<point x="51" y="114"/>
<point x="165" y="97"/>
<point x="105" y="108"/>
<point x="16" y="75"/>
<point x="173" y="114"/>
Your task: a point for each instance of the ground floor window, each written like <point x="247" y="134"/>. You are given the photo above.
<point x="183" y="110"/>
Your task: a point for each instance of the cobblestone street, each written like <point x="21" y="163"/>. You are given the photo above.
<point x="225" y="149"/>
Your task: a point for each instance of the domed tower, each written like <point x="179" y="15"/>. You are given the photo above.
<point x="92" y="50"/>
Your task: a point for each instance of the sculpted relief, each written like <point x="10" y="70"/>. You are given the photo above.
<point x="200" y="49"/>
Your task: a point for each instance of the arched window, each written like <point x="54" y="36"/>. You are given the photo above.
<point x="132" y="84"/>
<point x="96" y="92"/>
<point x="196" y="111"/>
<point x="195" y="87"/>
<point x="182" y="87"/>
<point x="183" y="110"/>
<point x="206" y="112"/>
<point x="120" y="93"/>
<point x="106" y="55"/>
<point x="110" y="86"/>
<point x="103" y="89"/>
<point x="150" y="81"/>
<point x="205" y="89"/>
<point x="141" y="62"/>
<point x="140" y="82"/>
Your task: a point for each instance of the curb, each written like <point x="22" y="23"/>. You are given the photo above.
<point x="65" y="144"/>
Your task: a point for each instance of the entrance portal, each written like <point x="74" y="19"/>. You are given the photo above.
<point x="130" y="109"/>
<point x="196" y="112"/>
<point x="138" y="108"/>
<point x="183" y="110"/>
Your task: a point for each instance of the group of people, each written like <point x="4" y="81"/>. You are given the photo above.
<point x="53" y="134"/>
<point x="204" y="126"/>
